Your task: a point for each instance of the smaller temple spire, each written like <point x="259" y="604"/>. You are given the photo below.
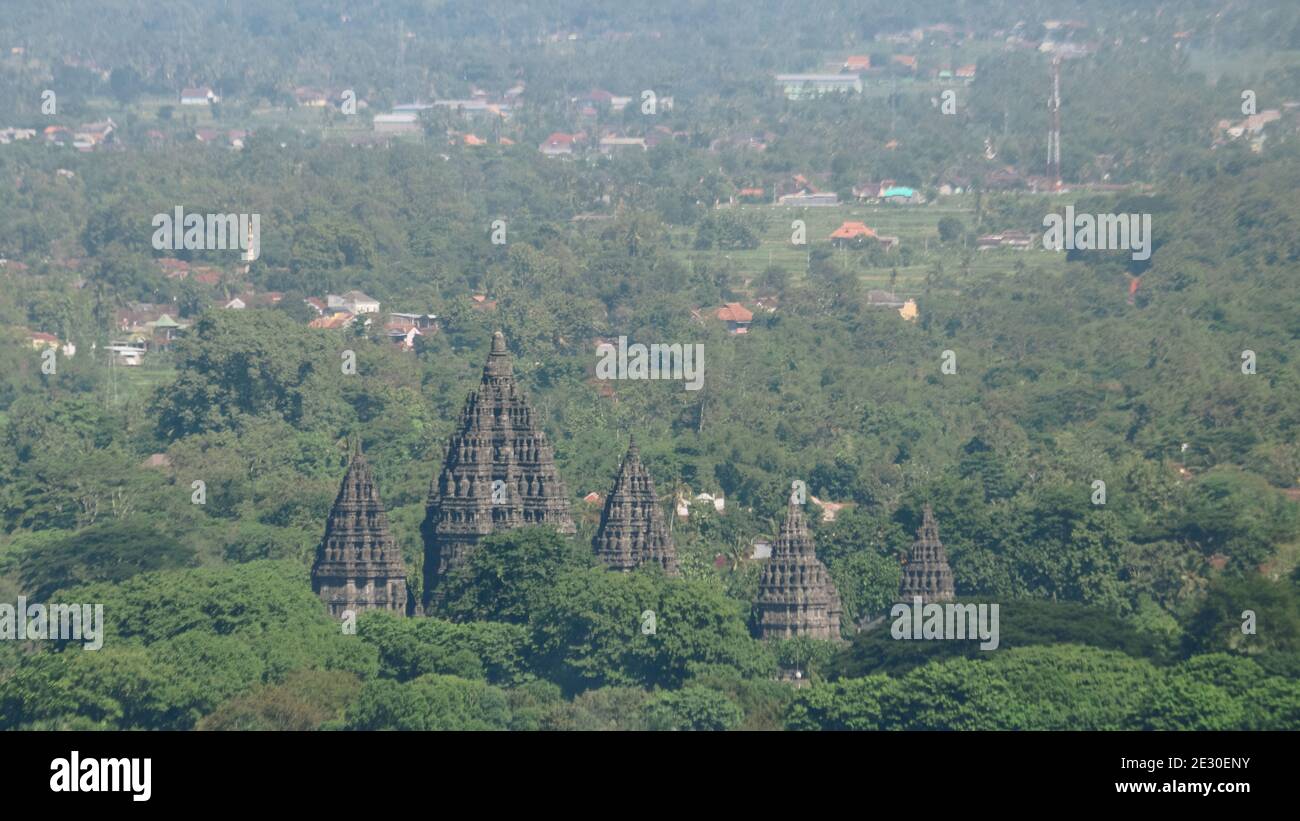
<point x="358" y="565"/>
<point x="927" y="573"/>
<point x="632" y="530"/>
<point x="796" y="596"/>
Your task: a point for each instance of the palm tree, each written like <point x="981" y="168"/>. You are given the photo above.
<point x="737" y="553"/>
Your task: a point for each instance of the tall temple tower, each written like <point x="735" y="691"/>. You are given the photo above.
<point x="498" y="474"/>
<point x="632" y="530"/>
<point x="926" y="573"/>
<point x="358" y="565"/>
<point x="796" y="597"/>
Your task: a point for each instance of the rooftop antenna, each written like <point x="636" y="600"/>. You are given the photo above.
<point x="1054" y="135"/>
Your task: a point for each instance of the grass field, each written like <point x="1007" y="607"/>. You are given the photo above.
<point x="136" y="385"/>
<point x="917" y="228"/>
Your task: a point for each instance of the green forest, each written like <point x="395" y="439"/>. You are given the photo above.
<point x="1173" y="381"/>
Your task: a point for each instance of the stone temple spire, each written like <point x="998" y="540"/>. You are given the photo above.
<point x="926" y="573"/>
<point x="498" y="474"/>
<point x="796" y="597"/>
<point x="632" y="530"/>
<point x="358" y="565"/>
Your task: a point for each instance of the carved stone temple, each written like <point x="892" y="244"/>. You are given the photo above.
<point x="632" y="530"/>
<point x="358" y="564"/>
<point x="796" y="597"/>
<point x="927" y="573"/>
<point x="498" y="474"/>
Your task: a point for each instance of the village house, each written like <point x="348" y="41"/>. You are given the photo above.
<point x="89" y="136"/>
<point x="883" y="299"/>
<point x="684" y="503"/>
<point x="609" y="145"/>
<point x="307" y="97"/>
<point x="40" y="339"/>
<point x="810" y="199"/>
<point x="58" y="135"/>
<point x="809" y="86"/>
<point x="857" y="234"/>
<point x="403" y="328"/>
<point x="399" y="122"/>
<point x="249" y="299"/>
<point x="354" y="302"/>
<point x="11" y="134"/>
<point x="232" y="138"/>
<point x="736" y="316"/>
<point x="403" y="336"/>
<point x="202" y="95"/>
<point x="149" y="327"/>
<point x="425" y="322"/>
<point x="866" y="191"/>
<point x="901" y="194"/>
<point x="127" y="352"/>
<point x="338" y="319"/>
<point x="561" y="144"/>
<point x="1019" y="240"/>
<point x="904" y="62"/>
<point x="1252" y="128"/>
<point x="1004" y="179"/>
<point x="477" y="108"/>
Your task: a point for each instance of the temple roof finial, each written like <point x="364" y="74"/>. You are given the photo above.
<point x="498" y="361"/>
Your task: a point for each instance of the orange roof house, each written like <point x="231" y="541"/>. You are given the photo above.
<point x="736" y="316"/>
<point x="857" y="62"/>
<point x="735" y="312"/>
<point x="857" y="233"/>
<point x="904" y="60"/>
<point x="332" y="322"/>
<point x="853" y="231"/>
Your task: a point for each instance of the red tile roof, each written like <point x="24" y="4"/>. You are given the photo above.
<point x="734" y="312"/>
<point x="852" y="230"/>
